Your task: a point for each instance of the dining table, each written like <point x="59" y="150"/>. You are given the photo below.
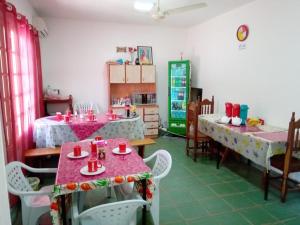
<point x="52" y="131"/>
<point x="116" y="169"/>
<point x="256" y="143"/>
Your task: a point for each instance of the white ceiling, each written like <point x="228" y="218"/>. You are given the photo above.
<point x="122" y="11"/>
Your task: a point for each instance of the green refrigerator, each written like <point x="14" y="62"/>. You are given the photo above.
<point x="178" y="95"/>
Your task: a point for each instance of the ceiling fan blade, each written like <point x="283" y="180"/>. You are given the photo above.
<point x="185" y="8"/>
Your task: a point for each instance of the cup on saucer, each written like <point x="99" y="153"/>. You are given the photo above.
<point x="93" y="165"/>
<point x="66" y="118"/>
<point x="122" y="147"/>
<point x="77" y="150"/>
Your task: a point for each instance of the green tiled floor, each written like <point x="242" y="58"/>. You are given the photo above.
<point x="198" y="193"/>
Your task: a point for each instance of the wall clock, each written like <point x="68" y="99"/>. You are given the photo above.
<point x="242" y="32"/>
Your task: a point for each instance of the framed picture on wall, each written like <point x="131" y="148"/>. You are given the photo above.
<point x="145" y="55"/>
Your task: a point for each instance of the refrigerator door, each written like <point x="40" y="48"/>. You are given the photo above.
<point x="179" y="75"/>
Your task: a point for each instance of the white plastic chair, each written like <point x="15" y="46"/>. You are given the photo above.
<point x="116" y="213"/>
<point x="160" y="170"/>
<point x="84" y="107"/>
<point x="34" y="203"/>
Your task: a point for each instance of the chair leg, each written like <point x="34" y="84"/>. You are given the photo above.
<point x="195" y="150"/>
<point x="283" y="188"/>
<point x="218" y="158"/>
<point x="266" y="184"/>
<point x="108" y="192"/>
<point x="187" y="146"/>
<point x="210" y="148"/>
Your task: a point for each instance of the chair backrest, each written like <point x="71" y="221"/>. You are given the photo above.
<point x="117" y="213"/>
<point x="206" y="106"/>
<point x="15" y="178"/>
<point x="162" y="165"/>
<point x="293" y="143"/>
<point x="84" y="107"/>
<point x="192" y="118"/>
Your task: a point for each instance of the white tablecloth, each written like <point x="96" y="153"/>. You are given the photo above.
<point x="51" y="133"/>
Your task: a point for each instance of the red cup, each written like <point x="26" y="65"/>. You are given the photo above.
<point x="236" y="110"/>
<point x="228" y="108"/>
<point x="113" y="116"/>
<point x="122" y="147"/>
<point x="77" y="150"/>
<point x="66" y="118"/>
<point x="59" y="116"/>
<point x="93" y="165"/>
<point x="98" y="138"/>
<point x="91" y="117"/>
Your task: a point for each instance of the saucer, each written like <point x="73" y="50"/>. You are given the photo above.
<point x="111" y="119"/>
<point x="117" y="151"/>
<point x="221" y="122"/>
<point x="95" y="120"/>
<point x="84" y="171"/>
<point x="83" y="154"/>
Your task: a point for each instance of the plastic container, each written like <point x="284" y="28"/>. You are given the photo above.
<point x="228" y="109"/>
<point x="236" y="110"/>
<point x="34" y="183"/>
<point x="244" y="113"/>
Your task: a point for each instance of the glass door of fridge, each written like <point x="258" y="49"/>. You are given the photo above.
<point x="178" y="91"/>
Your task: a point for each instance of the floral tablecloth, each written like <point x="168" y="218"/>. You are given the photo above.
<point x="119" y="169"/>
<point x="49" y="132"/>
<point x="257" y="144"/>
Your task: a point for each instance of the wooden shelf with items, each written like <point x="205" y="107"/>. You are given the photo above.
<point x="50" y="100"/>
<point x="135" y="84"/>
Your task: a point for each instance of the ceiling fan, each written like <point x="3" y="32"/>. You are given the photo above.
<point x="158" y="14"/>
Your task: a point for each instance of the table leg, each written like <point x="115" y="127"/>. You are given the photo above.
<point x="141" y="150"/>
<point x="144" y="184"/>
<point x="266" y="184"/>
<point x="63" y="208"/>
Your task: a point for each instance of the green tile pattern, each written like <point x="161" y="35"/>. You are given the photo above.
<point x="198" y="193"/>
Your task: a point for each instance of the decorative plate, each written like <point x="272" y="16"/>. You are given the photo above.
<point x="84" y="171"/>
<point x="117" y="151"/>
<point x="83" y="155"/>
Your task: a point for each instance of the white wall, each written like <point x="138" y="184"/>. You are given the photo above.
<point x="75" y="52"/>
<point x="265" y="75"/>
<point x="25" y="8"/>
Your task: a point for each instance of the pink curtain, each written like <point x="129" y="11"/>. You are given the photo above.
<point x="21" y="98"/>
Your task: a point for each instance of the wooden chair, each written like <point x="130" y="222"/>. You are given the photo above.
<point x="286" y="165"/>
<point x="193" y="110"/>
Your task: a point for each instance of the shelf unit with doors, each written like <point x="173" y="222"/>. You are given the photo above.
<point x="130" y="82"/>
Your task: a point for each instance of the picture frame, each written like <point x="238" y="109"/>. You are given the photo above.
<point x="145" y="55"/>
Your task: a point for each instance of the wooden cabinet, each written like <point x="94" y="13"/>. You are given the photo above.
<point x="116" y="74"/>
<point x="127" y="80"/>
<point x="133" y="74"/>
<point x="148" y="74"/>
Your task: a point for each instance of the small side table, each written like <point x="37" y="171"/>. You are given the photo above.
<point x="68" y="101"/>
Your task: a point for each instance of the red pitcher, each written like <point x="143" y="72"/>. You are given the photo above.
<point x="228" y="108"/>
<point x="236" y="110"/>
